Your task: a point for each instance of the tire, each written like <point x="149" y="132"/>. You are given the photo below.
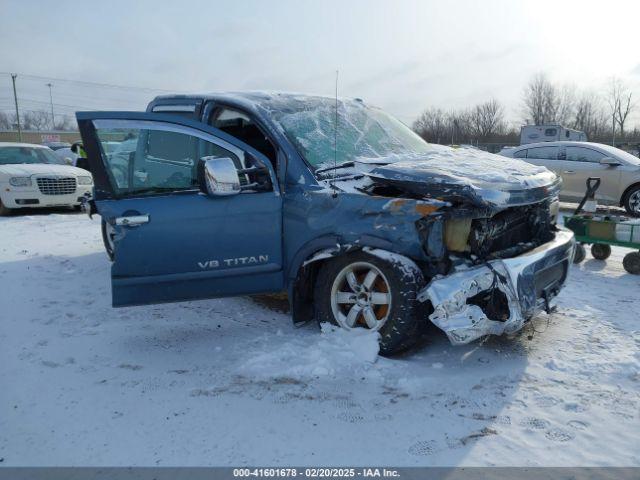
<point x="4" y="211"/>
<point x="600" y="251"/>
<point x="579" y="253"/>
<point x="631" y="263"/>
<point x="107" y="240"/>
<point x="397" y="321"/>
<point x="631" y="201"/>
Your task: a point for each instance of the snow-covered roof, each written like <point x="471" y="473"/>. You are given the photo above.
<point x="255" y="98"/>
<point x="19" y="144"/>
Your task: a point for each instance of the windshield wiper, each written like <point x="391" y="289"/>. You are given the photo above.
<point x="336" y="167"/>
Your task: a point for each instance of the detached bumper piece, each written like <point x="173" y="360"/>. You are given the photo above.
<point x="501" y="295"/>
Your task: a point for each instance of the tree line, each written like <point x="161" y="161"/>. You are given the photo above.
<point x="604" y="117"/>
<point x="36" y="120"/>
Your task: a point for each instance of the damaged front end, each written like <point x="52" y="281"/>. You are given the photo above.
<point x="500" y="295"/>
<point x="493" y="252"/>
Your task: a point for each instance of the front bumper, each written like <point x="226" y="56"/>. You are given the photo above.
<point x="528" y="282"/>
<point x="20" y="197"/>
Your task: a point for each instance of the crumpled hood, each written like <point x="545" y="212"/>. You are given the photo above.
<point x="28" y="169"/>
<point x="482" y="176"/>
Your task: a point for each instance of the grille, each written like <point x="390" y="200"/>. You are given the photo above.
<point x="520" y="226"/>
<point x="56" y="185"/>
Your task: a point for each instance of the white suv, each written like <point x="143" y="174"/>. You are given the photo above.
<point x="31" y="176"/>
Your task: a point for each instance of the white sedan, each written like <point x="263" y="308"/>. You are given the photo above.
<point x="31" y="176"/>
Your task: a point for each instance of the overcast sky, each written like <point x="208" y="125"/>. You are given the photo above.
<point x="400" y="55"/>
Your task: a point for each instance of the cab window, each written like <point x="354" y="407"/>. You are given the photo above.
<point x="240" y="125"/>
<point x="543" y="153"/>
<point x="520" y="154"/>
<point x="143" y="161"/>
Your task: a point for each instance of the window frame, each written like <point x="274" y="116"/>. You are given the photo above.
<point x="145" y="125"/>
<point x="585" y="148"/>
<point x="218" y="107"/>
<point x="549" y="146"/>
<point x="213" y="108"/>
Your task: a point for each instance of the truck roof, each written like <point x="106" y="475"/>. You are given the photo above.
<point x="250" y="100"/>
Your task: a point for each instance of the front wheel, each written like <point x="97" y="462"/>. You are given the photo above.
<point x="579" y="253"/>
<point x="631" y="201"/>
<point x="4" y="211"/>
<point x="360" y="290"/>
<point x="107" y="238"/>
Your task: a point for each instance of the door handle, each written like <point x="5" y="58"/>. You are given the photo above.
<point x="132" y="221"/>
<point x="570" y="172"/>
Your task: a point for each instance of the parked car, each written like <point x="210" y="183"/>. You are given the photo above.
<point x="31" y="177"/>
<point x="56" y="145"/>
<point x="363" y="223"/>
<point x="66" y="155"/>
<point x="577" y="161"/>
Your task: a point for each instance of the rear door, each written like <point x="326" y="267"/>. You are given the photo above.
<point x="172" y="242"/>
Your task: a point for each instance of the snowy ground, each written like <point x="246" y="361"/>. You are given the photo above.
<point x="232" y="382"/>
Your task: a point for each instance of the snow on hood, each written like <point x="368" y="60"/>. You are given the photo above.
<point x="494" y="178"/>
<point x="28" y="169"/>
<point x="466" y="167"/>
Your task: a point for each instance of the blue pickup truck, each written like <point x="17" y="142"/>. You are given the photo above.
<point x="359" y="220"/>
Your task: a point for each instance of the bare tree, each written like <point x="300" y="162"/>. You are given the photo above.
<point x="590" y="116"/>
<point x="620" y="102"/>
<point x="432" y="125"/>
<point x="539" y="98"/>
<point x="65" y="123"/>
<point x="563" y="104"/>
<point x="547" y="103"/>
<point x="5" y="121"/>
<point x="486" y="120"/>
<point x="35" y="120"/>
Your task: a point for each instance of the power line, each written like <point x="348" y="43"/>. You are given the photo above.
<point x="85" y="82"/>
<point x="43" y="102"/>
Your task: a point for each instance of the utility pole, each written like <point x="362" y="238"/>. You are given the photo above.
<point x="15" y="99"/>
<point x="53" y="122"/>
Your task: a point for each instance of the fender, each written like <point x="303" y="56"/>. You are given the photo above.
<point x="308" y="259"/>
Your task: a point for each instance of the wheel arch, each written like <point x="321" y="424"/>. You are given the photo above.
<point x="627" y="191"/>
<point x="305" y="266"/>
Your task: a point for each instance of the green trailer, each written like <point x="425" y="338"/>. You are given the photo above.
<point x="603" y="230"/>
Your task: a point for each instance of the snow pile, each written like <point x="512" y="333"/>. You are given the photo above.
<point x="334" y="352"/>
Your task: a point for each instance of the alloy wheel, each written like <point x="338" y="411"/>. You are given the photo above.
<point x="361" y="297"/>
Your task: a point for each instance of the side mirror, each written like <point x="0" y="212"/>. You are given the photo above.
<point x="610" y="162"/>
<point x="218" y="177"/>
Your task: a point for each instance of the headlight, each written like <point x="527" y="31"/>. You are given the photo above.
<point x="20" y="181"/>
<point x="85" y="180"/>
<point x="456" y="234"/>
